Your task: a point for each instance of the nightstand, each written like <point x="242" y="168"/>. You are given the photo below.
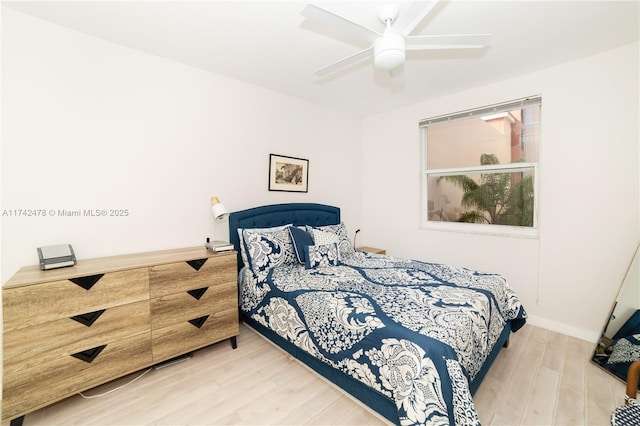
<point x="372" y="250"/>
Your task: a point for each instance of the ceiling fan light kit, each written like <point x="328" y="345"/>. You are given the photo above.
<point x="389" y="48"/>
<point x="389" y="51"/>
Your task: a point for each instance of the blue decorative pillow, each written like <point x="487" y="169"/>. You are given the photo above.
<point x="344" y="244"/>
<point x="301" y="239"/>
<point x="626" y="349"/>
<point x="267" y="250"/>
<point x="321" y="255"/>
<point x="243" y="249"/>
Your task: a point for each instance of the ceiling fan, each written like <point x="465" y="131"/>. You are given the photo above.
<point x="389" y="48"/>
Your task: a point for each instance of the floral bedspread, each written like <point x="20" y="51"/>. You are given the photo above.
<point x="416" y="332"/>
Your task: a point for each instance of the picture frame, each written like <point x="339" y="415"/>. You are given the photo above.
<point x="288" y="174"/>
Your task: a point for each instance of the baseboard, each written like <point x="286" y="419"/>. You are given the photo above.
<point x="558" y="327"/>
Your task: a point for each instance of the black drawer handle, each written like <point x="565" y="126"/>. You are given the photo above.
<point x="86" y="282"/>
<point x="199" y="322"/>
<point x="89" y="318"/>
<point x="197" y="264"/>
<point x="90" y="354"/>
<point x="197" y="293"/>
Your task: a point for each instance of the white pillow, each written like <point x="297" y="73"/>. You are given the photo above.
<point x="344" y="244"/>
<point x="324" y="238"/>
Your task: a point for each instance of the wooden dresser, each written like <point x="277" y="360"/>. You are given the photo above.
<point x="70" y="329"/>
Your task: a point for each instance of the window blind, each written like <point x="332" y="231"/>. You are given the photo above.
<point x="487" y="110"/>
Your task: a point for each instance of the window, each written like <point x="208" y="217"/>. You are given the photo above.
<point x="480" y="169"/>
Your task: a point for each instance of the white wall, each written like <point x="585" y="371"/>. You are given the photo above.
<point x="589" y="217"/>
<point x="88" y="124"/>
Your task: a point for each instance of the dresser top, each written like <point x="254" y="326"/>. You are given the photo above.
<point x="29" y="275"/>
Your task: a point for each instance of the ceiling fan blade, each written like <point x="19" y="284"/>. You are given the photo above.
<point x="412" y="16"/>
<point x="319" y="14"/>
<point x="345" y="62"/>
<point x="462" y="41"/>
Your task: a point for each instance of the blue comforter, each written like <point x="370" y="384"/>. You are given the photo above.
<point x="416" y="332"/>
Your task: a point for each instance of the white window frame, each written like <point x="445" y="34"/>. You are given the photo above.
<point x="479" y="228"/>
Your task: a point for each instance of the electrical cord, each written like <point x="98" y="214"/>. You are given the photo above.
<point x="354" y="238"/>
<point x="116" y="389"/>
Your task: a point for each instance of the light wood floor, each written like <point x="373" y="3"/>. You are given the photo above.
<point x="543" y="378"/>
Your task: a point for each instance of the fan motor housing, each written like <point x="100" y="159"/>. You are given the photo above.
<point x="389" y="51"/>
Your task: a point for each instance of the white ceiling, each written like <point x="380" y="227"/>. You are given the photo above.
<point x="270" y="44"/>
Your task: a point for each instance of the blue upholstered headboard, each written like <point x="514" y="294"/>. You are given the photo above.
<point x="280" y="214"/>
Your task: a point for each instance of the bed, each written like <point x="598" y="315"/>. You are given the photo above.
<point x="410" y="339"/>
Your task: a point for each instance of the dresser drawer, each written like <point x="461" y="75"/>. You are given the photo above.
<point x="51" y="381"/>
<point x="29" y="305"/>
<point x="30" y="346"/>
<point x="183" y="306"/>
<point x="185" y="336"/>
<point x="182" y="276"/>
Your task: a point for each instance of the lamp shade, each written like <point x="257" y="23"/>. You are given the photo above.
<point x="218" y="209"/>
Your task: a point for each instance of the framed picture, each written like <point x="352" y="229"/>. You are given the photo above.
<point x="288" y="173"/>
